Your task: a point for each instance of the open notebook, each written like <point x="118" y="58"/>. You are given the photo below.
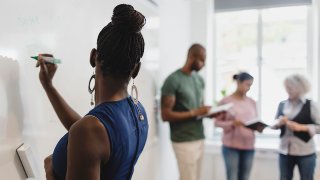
<point x="256" y="125"/>
<point x="218" y="109"/>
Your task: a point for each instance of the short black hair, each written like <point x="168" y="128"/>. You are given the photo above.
<point x="242" y="76"/>
<point x="120" y="44"/>
<point x="195" y="48"/>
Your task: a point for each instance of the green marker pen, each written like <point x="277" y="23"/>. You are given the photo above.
<point x="48" y="59"/>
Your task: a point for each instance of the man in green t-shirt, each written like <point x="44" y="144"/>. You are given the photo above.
<point x="182" y="106"/>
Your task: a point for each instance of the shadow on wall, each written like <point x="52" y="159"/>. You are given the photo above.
<point x="11" y="117"/>
<point x="11" y="111"/>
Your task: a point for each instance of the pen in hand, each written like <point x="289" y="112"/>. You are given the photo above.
<point x="48" y="58"/>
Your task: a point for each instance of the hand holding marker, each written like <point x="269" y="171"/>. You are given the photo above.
<point x="47" y="59"/>
<point x="48" y="68"/>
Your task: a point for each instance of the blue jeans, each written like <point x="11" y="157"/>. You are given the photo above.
<point x="238" y="163"/>
<point x="306" y="165"/>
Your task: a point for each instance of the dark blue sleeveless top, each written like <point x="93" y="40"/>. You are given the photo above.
<point x="127" y="135"/>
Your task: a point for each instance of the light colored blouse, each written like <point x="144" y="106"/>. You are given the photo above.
<point x="292" y="145"/>
<point x="238" y="137"/>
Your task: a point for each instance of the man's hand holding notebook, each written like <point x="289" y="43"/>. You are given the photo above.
<point x="217" y="110"/>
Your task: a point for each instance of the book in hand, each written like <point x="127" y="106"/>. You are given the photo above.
<point x="256" y="125"/>
<point x="219" y="109"/>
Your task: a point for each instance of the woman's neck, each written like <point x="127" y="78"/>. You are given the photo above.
<point x="110" y="89"/>
<point x="294" y="100"/>
<point x="239" y="95"/>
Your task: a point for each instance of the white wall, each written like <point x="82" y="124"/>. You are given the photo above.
<point x="174" y="35"/>
<point x="182" y="24"/>
<point x="68" y="29"/>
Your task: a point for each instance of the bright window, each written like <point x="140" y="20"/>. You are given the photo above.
<point x="270" y="44"/>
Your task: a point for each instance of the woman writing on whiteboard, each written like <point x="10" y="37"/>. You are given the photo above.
<point x="238" y="141"/>
<point x="298" y="119"/>
<point x="105" y="143"/>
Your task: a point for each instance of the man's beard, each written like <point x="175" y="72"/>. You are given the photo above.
<point x="194" y="67"/>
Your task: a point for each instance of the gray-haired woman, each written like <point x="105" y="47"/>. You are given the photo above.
<point x="298" y="118"/>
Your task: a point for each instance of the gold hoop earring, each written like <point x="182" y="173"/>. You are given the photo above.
<point x="91" y="90"/>
<point x="134" y="89"/>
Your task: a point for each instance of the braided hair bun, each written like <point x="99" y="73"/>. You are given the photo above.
<point x="120" y="44"/>
<point x="126" y="19"/>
